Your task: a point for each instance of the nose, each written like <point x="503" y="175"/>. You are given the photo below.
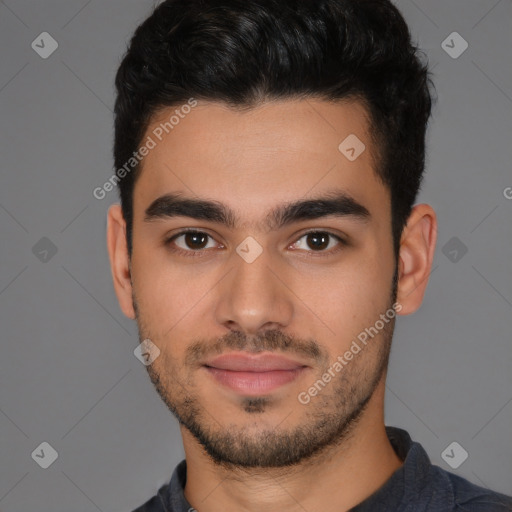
<point x="254" y="297"/>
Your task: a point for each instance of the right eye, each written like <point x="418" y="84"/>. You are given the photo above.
<point x="192" y="243"/>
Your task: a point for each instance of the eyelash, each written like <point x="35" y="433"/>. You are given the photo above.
<point x="201" y="252"/>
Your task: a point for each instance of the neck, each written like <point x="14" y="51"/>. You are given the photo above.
<point x="344" y="475"/>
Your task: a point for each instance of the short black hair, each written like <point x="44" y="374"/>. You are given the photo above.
<point x="243" y="53"/>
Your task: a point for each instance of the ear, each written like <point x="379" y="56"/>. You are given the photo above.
<point x="417" y="246"/>
<point x="119" y="260"/>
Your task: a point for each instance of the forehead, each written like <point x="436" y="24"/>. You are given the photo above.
<point x="254" y="159"/>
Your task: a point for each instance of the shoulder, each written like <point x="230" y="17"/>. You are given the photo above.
<point x="431" y="488"/>
<point x="469" y="497"/>
<point x="170" y="496"/>
<point x="155" y="504"/>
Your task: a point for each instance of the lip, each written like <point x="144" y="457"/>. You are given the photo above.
<point x="254" y="374"/>
<point x="244" y="362"/>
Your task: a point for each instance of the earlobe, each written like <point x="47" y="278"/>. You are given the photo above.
<point x="119" y="260"/>
<point x="417" y="246"/>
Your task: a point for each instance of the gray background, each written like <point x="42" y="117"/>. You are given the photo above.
<point x="68" y="375"/>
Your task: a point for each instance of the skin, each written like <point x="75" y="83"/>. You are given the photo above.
<point x="253" y="161"/>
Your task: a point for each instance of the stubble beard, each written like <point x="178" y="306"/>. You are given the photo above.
<point x="327" y="420"/>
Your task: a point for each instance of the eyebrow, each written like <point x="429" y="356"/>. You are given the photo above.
<point x="334" y="203"/>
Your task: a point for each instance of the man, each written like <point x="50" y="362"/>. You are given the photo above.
<point x="268" y="156"/>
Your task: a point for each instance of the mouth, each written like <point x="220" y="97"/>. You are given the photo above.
<point x="254" y="374"/>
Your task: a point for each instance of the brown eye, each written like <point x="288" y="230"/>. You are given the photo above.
<point x="195" y="240"/>
<point x="320" y="241"/>
<point x="191" y="243"/>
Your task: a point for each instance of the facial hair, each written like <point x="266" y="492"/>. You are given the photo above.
<point x="326" y="421"/>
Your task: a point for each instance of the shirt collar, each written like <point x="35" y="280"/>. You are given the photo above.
<point x="404" y="485"/>
<point x="397" y="489"/>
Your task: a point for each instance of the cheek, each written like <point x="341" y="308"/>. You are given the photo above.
<point x="166" y="295"/>
<point x="351" y="297"/>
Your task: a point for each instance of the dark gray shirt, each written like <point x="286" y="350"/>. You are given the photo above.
<point x="417" y="486"/>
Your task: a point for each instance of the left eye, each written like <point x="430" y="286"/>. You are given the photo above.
<point x="319" y="240"/>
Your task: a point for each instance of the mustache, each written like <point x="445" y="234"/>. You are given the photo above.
<point x="272" y="340"/>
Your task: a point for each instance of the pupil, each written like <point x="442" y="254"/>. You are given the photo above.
<point x="191" y="240"/>
<point x="316" y="237"/>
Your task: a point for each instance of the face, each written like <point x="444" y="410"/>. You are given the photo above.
<point x="280" y="276"/>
